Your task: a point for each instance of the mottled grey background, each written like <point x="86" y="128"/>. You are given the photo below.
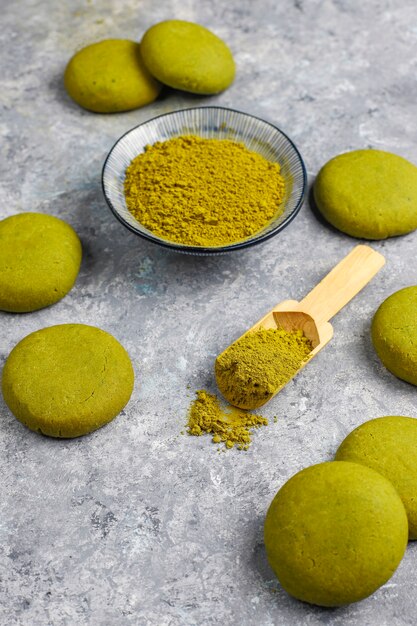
<point x="138" y="524"/>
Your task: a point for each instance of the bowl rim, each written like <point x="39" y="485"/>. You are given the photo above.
<point x="210" y="249"/>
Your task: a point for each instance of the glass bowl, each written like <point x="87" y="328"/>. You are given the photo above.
<point x="210" y="123"/>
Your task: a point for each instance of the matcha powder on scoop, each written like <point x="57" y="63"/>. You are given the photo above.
<point x="256" y="366"/>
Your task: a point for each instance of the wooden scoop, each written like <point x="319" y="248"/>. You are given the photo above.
<point x="313" y="313"/>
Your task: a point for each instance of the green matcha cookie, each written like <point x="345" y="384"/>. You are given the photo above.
<point x="368" y="193"/>
<point x="40" y="256"/>
<point x="335" y="532"/>
<point x="389" y="446"/>
<point x="67" y="380"/>
<point x="187" y="56"/>
<point x="394" y="334"/>
<point x="109" y="76"/>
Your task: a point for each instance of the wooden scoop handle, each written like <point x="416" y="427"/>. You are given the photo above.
<point x="340" y="285"/>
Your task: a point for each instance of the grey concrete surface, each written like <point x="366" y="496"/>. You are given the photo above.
<point x="138" y="524"/>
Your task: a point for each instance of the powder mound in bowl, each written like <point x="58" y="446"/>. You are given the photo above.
<point x="203" y="192"/>
<point x="230" y="426"/>
<point x="256" y="366"/>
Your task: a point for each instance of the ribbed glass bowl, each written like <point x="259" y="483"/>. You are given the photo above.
<point x="210" y="123"/>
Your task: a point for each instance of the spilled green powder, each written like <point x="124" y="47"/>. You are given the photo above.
<point x="231" y="426"/>
<point x="256" y="366"/>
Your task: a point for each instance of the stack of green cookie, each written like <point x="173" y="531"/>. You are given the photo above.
<point x="118" y="75"/>
<point x="337" y="531"/>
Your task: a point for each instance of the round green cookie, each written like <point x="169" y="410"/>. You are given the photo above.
<point x="40" y="257"/>
<point x="368" y="193"/>
<point x="67" y="380"/>
<point x="394" y="334"/>
<point x="188" y="56"/>
<point x="335" y="532"/>
<point x="389" y="446"/>
<point x="109" y="76"/>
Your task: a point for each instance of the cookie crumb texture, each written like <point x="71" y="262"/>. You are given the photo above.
<point x="67" y="380"/>
<point x="40" y="256"/>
